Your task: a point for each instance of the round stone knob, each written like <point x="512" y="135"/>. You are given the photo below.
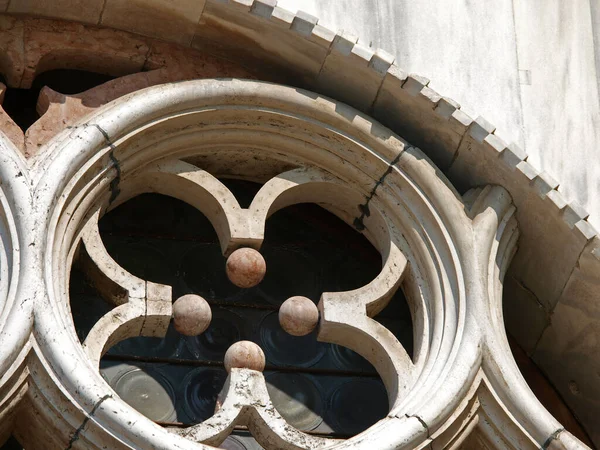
<point x="244" y="355"/>
<point x="191" y="315"/>
<point x="246" y="267"/>
<point x="298" y="316"/>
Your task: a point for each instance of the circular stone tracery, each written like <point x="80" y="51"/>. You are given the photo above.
<point x="371" y="191"/>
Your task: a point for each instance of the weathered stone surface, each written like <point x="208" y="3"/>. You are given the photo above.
<point x="59" y="111"/>
<point x="560" y="107"/>
<point x="540" y="209"/>
<point x="569" y="349"/>
<point x="405" y="104"/>
<point x="285" y="23"/>
<point x="163" y="19"/>
<point x="140" y="143"/>
<point x="178" y="63"/>
<point x="353" y="72"/>
<point x="87" y="11"/>
<point x="524" y="316"/>
<point x="12" y="52"/>
<point x="547" y="393"/>
<point x="479" y="161"/>
<point x="254" y="39"/>
<point x="51" y="45"/>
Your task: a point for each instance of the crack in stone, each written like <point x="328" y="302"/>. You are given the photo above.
<point x="422" y="423"/>
<point x="552" y="437"/>
<point x="114" y="184"/>
<point x="145" y="311"/>
<point x="364" y="207"/>
<point x="101" y="17"/>
<point x="78" y="431"/>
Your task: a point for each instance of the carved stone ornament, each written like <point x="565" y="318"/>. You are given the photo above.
<point x="449" y="252"/>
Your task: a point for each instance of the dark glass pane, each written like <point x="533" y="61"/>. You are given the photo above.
<point x="11" y="444"/>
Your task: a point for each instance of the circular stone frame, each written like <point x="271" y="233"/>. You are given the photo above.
<point x="450" y="252"/>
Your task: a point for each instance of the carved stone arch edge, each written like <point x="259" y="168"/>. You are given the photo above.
<point x="153" y="108"/>
<point x="83" y="414"/>
<point x="16" y="298"/>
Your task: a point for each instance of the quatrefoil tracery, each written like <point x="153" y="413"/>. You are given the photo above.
<point x="143" y="308"/>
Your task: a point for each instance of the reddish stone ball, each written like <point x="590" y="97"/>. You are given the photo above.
<point x="244" y="355"/>
<point x="191" y="315"/>
<point x="245" y="267"/>
<point x="298" y="316"/>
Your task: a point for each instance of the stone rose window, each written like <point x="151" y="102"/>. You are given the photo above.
<point x="237" y="344"/>
<point x="217" y="236"/>
<point x="239" y="264"/>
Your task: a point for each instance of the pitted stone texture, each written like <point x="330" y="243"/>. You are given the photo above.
<point x="298" y="316"/>
<point x="246" y="267"/>
<point x="191" y="315"/>
<point x="52" y="45"/>
<point x="565" y="441"/>
<point x="245" y="400"/>
<point x="244" y="355"/>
